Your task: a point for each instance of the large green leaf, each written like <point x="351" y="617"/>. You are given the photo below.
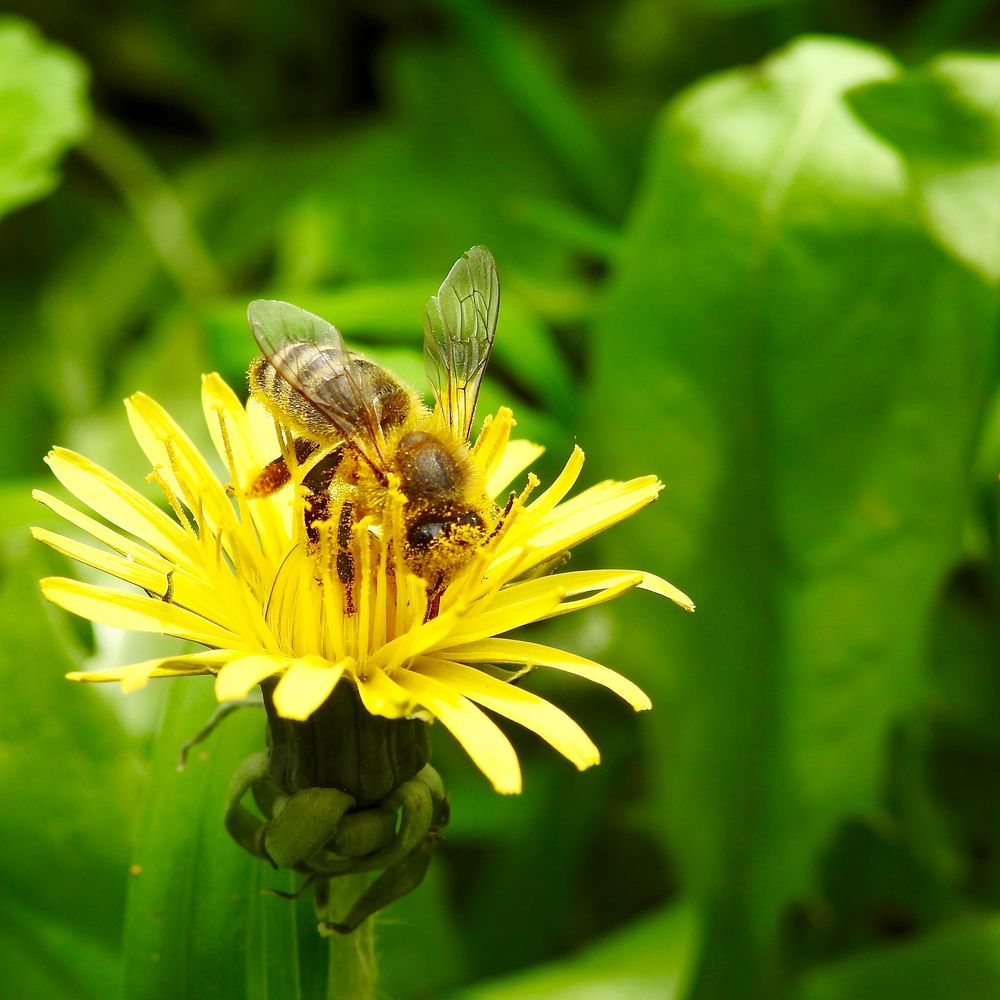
<point x="962" y="960"/>
<point x="651" y="959"/>
<point x="68" y="777"/>
<point x="786" y="346"/>
<point x="198" y="924"/>
<point x="945" y="120"/>
<point x="43" y="96"/>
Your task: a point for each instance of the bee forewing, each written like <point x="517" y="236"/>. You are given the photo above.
<point x="310" y="355"/>
<point x="459" y="326"/>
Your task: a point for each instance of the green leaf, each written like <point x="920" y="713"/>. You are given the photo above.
<point x="651" y="959"/>
<point x="68" y="777"/>
<point x="945" y="120"/>
<point x="198" y="923"/>
<point x="804" y="367"/>
<point x="43" y="96"/>
<point x="961" y="960"/>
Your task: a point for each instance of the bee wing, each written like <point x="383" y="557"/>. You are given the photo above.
<point x="459" y="325"/>
<point x="310" y="355"/>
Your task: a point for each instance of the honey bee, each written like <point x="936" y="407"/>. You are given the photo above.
<point x="364" y="424"/>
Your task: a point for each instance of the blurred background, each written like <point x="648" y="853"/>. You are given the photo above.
<point x="751" y="246"/>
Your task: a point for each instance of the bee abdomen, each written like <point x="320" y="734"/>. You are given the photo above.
<point x="287" y="403"/>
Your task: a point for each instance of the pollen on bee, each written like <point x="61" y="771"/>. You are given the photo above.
<point x="269" y="480"/>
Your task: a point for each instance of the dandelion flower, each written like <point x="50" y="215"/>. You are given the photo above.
<point x="234" y="574"/>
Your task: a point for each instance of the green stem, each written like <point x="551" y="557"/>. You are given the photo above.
<point x="542" y="98"/>
<point x="353" y="965"/>
<point x="156" y="207"/>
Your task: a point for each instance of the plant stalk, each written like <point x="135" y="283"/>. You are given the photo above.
<point x="352" y="972"/>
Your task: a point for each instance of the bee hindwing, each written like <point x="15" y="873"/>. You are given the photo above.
<point x="459" y="326"/>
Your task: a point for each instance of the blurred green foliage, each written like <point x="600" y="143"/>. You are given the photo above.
<point x="750" y="246"/>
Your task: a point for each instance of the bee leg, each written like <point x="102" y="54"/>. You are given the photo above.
<point x="504" y="514"/>
<point x="434" y="599"/>
<point x="317" y="510"/>
<point x="270" y="479"/>
<point x="318" y="481"/>
<point x="276" y="473"/>
<point x="319" y="478"/>
<point x="345" y="555"/>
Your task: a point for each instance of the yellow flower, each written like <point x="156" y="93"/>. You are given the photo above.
<point x="235" y="575"/>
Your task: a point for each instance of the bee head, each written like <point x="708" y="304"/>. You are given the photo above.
<point x="465" y="527"/>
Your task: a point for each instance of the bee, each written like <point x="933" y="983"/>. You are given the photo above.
<point x="364" y="424"/>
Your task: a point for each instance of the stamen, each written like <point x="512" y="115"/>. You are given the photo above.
<point x="381" y="594"/>
<point x="333" y="608"/>
<point x="236" y="487"/>
<point x="363" y="537"/>
<point x="156" y="476"/>
<point x="401" y="574"/>
<point x="509" y="517"/>
<point x="170" y="447"/>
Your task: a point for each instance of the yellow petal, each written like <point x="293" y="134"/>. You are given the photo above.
<point x="381" y="695"/>
<point x="136" y="675"/>
<point x="532" y="654"/>
<point x="106" y="562"/>
<point x="305" y="686"/>
<point x="600" y="597"/>
<point x="496" y="620"/>
<point x="139" y="614"/>
<point x="489" y="749"/>
<point x="173" y="453"/>
<point x="564" y="482"/>
<point x="118" y="503"/>
<point x="514" y="703"/>
<point x="493" y="441"/>
<point x="241" y="448"/>
<point x="592" y="512"/>
<point x="263" y="438"/>
<point x="567" y="585"/>
<point x="536" y="600"/>
<point x="414" y="642"/>
<point x="191" y="479"/>
<point x="517" y="456"/>
<point x="657" y="585"/>
<point x="177" y="584"/>
<point x="108" y="536"/>
<point x="240" y="676"/>
<point x="219" y="401"/>
<point x="611" y="491"/>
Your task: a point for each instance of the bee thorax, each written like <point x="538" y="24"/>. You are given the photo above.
<point x="427" y="469"/>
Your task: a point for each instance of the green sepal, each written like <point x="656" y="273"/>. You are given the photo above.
<point x="303" y="823"/>
<point x="241" y="824"/>
<point x="416" y="805"/>
<point x="342" y="746"/>
<point x="394" y="883"/>
<point x="363" y="832"/>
